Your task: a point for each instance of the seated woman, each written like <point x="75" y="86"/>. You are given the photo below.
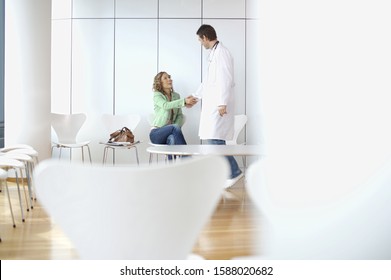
<point x="166" y="126"/>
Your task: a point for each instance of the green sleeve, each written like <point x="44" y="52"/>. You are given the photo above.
<point x="179" y="118"/>
<point x="160" y="101"/>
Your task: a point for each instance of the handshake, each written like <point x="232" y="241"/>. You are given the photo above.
<point x="190" y="101"/>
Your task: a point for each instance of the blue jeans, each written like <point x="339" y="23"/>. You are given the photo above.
<point x="235" y="170"/>
<point x="167" y="135"/>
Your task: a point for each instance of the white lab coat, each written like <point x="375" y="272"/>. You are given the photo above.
<point x="217" y="89"/>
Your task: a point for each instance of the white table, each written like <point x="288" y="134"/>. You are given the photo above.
<point x="203" y="150"/>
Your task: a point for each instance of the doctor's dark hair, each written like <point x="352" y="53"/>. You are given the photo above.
<point x="208" y="31"/>
<point x="157" y="82"/>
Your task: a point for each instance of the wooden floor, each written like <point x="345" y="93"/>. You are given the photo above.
<point x="230" y="233"/>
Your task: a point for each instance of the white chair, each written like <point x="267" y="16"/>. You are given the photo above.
<point x="115" y="122"/>
<point x="15" y="146"/>
<point x="3" y="178"/>
<point x="27" y="157"/>
<point x="239" y="123"/>
<point x="356" y="226"/>
<point x="16" y="165"/>
<point x="23" y="149"/>
<point x="67" y="126"/>
<point x="125" y="213"/>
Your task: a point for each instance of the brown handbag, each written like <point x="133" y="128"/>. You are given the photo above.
<point x="122" y="135"/>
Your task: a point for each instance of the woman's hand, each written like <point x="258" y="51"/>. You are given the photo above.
<point x="190" y="101"/>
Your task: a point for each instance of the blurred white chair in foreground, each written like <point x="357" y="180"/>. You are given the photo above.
<point x="356" y="227"/>
<point x="148" y="212"/>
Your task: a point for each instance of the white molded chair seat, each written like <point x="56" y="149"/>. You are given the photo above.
<point x="125" y="213"/>
<point x="67" y="126"/>
<point x="239" y="123"/>
<point x="116" y="122"/>
<point x="15" y="146"/>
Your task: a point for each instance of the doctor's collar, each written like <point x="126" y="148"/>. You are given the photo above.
<point x="215" y="45"/>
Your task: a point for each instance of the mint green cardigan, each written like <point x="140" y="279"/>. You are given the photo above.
<point x="162" y="109"/>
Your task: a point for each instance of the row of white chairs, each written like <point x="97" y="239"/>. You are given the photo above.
<point x="21" y="159"/>
<point x="67" y="126"/>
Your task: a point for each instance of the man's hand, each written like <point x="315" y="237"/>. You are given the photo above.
<point x="222" y="110"/>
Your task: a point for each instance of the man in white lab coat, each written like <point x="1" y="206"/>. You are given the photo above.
<point x="217" y="93"/>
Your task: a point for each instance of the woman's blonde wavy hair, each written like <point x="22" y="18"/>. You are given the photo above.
<point x="157" y="82"/>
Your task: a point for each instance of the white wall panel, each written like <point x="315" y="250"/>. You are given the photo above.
<point x="61" y="9"/>
<point x="135" y="67"/>
<point x="61" y="66"/>
<point x="92" y="76"/>
<point x="180" y="8"/>
<point x="179" y="55"/>
<point x="136" y="8"/>
<point x="255" y="128"/>
<point x="93" y="8"/>
<point x="224" y="9"/>
<point x="253" y="8"/>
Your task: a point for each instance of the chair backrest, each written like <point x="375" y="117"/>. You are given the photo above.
<point x="146" y="212"/>
<point x="239" y="123"/>
<point x="115" y="122"/>
<point x="67" y="126"/>
<point x="355" y="227"/>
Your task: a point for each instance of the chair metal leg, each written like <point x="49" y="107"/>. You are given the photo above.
<point x="244" y="162"/>
<point x="138" y="162"/>
<point x="9" y="201"/>
<point x="89" y="153"/>
<point x="20" y="197"/>
<point x="104" y="155"/>
<point x="29" y="170"/>
<point x="24" y="186"/>
<point x="151" y="158"/>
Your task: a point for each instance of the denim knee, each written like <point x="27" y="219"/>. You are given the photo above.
<point x="176" y="128"/>
<point x="170" y="140"/>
